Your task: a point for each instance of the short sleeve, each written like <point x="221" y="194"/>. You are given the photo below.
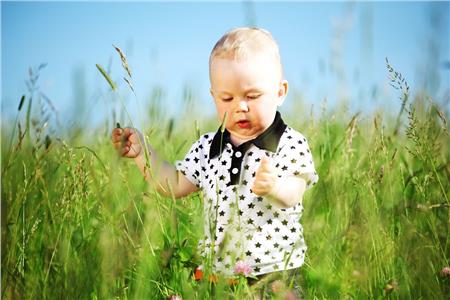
<point x="190" y="166"/>
<point x="301" y="160"/>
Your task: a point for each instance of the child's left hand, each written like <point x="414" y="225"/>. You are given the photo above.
<point x="265" y="178"/>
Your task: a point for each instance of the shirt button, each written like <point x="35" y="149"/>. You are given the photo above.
<point x="234" y="171"/>
<point x="238" y="154"/>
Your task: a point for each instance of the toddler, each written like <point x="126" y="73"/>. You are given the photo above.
<point x="253" y="171"/>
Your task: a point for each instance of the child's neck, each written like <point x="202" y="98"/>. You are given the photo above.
<point x="236" y="141"/>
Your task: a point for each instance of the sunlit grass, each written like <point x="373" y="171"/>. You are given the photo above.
<point x="78" y="222"/>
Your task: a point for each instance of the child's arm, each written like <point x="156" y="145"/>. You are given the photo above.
<point x="129" y="142"/>
<point x="284" y="192"/>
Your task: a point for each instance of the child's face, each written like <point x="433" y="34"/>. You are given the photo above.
<point x="249" y="91"/>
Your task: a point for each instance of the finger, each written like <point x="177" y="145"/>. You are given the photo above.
<point x="125" y="151"/>
<point x="128" y="131"/>
<point x="265" y="167"/>
<point x="265" y="160"/>
<point x="116" y="134"/>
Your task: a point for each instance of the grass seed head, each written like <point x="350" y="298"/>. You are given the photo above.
<point x="108" y="79"/>
<point x="124" y="60"/>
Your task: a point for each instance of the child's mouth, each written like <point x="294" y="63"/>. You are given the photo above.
<point x="243" y="124"/>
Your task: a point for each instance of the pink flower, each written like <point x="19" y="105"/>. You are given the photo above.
<point x="243" y="268"/>
<point x="446" y="272"/>
<point x="175" y="297"/>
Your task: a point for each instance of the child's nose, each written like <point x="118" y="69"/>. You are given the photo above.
<point x="243" y="106"/>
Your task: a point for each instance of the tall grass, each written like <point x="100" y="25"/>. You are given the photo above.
<point x="80" y="223"/>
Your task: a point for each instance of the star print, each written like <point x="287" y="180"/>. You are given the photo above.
<point x="213" y="175"/>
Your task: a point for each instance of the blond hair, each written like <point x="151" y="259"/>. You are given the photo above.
<point x="240" y="43"/>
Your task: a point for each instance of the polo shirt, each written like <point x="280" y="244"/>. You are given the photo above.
<point x="238" y="224"/>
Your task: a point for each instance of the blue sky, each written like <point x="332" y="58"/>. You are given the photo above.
<point x="331" y="50"/>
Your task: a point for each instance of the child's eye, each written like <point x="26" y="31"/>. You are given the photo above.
<point x="227" y="99"/>
<point x="253" y="96"/>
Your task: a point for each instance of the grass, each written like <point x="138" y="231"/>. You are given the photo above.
<point x="80" y="223"/>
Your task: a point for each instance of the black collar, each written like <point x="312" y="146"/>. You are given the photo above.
<point x="268" y="140"/>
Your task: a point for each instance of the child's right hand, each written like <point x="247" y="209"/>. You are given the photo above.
<point x="127" y="141"/>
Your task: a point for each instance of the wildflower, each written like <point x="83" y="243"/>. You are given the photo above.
<point x="198" y="274"/>
<point x="445" y="272"/>
<point x="391" y="286"/>
<point x="243" y="268"/>
<point x="277" y="286"/>
<point x="175" y="297"/>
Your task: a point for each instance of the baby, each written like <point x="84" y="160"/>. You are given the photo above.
<point x="253" y="171"/>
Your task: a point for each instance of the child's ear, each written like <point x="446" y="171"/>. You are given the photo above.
<point x="282" y="91"/>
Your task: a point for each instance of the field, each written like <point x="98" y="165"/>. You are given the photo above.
<point x="78" y="222"/>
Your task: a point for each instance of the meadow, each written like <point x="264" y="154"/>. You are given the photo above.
<point x="78" y="222"/>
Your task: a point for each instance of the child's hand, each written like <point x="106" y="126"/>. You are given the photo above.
<point x="127" y="141"/>
<point x="265" y="178"/>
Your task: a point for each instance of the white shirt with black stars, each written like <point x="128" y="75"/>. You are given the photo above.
<point x="239" y="225"/>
